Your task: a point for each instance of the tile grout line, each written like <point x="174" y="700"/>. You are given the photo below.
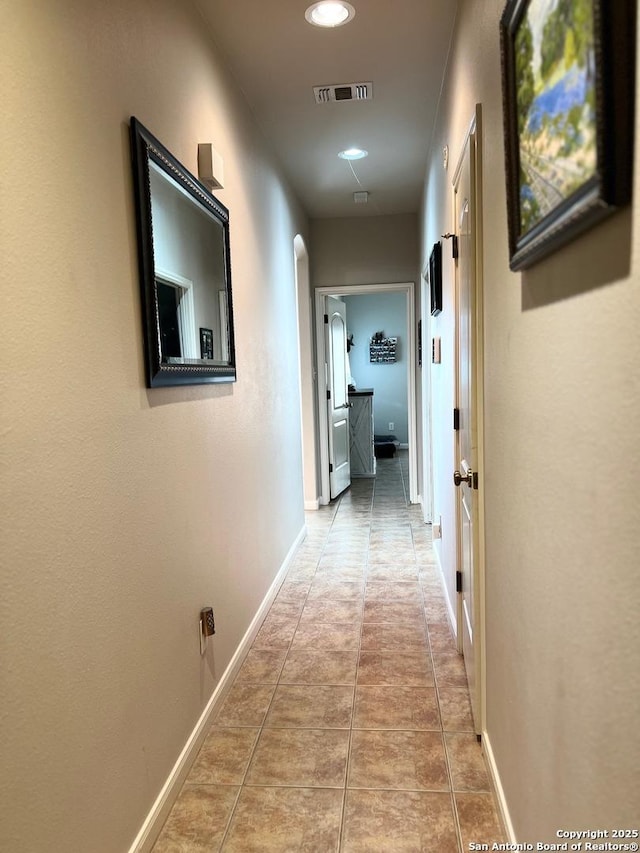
<point x="277" y="684"/>
<point x="436" y="680"/>
<point x="436" y="684"/>
<point x="454" y="805"/>
<point x="327" y="535"/>
<point x="339" y="535"/>
<point x="343" y="817"/>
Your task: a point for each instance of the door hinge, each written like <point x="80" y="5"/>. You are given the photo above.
<point x="475" y="480"/>
<point x="330" y="468"/>
<point x="458" y="581"/>
<point x="456" y="419"/>
<point x="328" y="394"/>
<point x="326" y="319"/>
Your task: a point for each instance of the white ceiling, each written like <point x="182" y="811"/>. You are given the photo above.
<point x="277" y="58"/>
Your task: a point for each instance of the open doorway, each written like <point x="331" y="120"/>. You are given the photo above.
<point x="381" y="366"/>
<point x="405" y="343"/>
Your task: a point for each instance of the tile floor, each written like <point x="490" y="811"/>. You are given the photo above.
<point x="348" y="727"/>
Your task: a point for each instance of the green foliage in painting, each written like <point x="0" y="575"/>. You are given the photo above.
<point x="555" y="98"/>
<point x="524" y="73"/>
<point x="567" y="35"/>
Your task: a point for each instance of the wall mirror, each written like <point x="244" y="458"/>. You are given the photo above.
<point x="185" y="270"/>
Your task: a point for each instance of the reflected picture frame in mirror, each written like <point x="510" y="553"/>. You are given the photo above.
<point x="184" y="267"/>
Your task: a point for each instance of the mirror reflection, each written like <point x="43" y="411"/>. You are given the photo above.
<point x="188" y="238"/>
<point x="185" y="271"/>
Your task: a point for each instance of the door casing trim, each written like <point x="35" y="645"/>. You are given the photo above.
<point x="321" y="294"/>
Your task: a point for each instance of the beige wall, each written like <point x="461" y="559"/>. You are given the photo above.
<point x="369" y="250"/>
<point x="562" y="398"/>
<point x="364" y="250"/>
<point x="124" y="510"/>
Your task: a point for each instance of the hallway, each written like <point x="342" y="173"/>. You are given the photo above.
<point x="348" y="726"/>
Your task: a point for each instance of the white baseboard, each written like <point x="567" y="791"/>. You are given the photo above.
<point x="450" y="611"/>
<point x="426" y="513"/>
<point x="154" y="822"/>
<point x="498" y="789"/>
<point x="311" y="506"/>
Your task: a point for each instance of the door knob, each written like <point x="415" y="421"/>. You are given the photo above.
<point x="459" y="478"/>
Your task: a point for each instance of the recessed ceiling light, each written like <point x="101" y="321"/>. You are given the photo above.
<point x="353" y="154"/>
<point x="330" y="13"/>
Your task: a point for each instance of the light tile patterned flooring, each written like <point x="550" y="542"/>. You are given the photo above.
<point x="348" y="727"/>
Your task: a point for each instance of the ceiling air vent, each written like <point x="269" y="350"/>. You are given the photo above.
<point x="345" y="92"/>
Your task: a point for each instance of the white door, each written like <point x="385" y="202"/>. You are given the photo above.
<point x="337" y="395"/>
<point x="466" y="475"/>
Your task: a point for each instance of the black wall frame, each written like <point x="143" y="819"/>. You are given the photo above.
<point x="435" y="278"/>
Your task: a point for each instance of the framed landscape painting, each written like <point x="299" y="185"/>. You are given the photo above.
<point x="435" y="278"/>
<point x="568" y="98"/>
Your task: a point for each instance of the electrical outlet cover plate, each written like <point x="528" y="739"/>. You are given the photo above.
<point x="207" y="627"/>
<point x="208" y="623"/>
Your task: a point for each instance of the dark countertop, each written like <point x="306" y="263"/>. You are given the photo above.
<point x="362" y="392"/>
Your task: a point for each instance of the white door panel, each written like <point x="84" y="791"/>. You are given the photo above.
<point x="466" y="403"/>
<point x="337" y="396"/>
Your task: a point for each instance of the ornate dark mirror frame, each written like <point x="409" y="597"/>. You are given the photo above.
<point x="148" y="155"/>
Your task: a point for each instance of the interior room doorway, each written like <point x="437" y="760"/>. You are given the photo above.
<point x="408" y="341"/>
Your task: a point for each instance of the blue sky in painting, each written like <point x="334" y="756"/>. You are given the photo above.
<point x="570" y="91"/>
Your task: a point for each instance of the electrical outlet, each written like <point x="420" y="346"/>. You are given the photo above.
<point x="208" y="623"/>
<point x="392" y="425"/>
<point x="206" y="627"/>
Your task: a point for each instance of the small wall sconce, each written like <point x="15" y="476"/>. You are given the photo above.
<point x="210" y="166"/>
